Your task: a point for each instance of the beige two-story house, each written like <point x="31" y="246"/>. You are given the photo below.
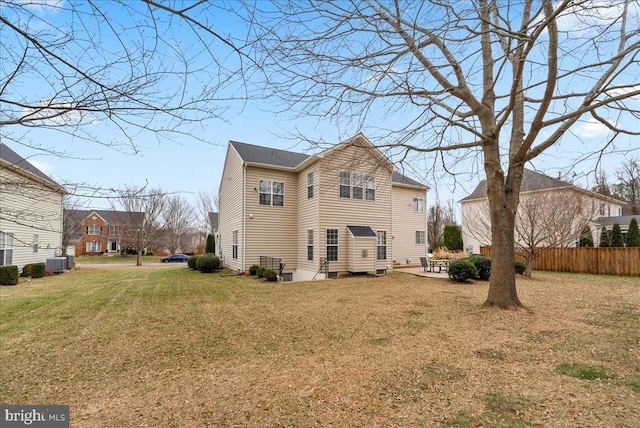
<point x="344" y="210"/>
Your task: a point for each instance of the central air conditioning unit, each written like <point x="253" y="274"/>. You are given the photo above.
<point x="56" y="264"/>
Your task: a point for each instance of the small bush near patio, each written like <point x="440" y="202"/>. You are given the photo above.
<point x="520" y="267"/>
<point x="253" y="270"/>
<point x="208" y="263"/>
<point x="192" y="262"/>
<point x="8" y="275"/>
<point x="34" y="270"/>
<point x="269" y="275"/>
<point x="260" y="272"/>
<point x="483" y="265"/>
<point x="462" y="270"/>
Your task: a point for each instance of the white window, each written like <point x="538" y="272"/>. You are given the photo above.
<point x="381" y="253"/>
<point x="345" y="184"/>
<point x="271" y="193"/>
<point x="114" y="230"/>
<point x="94" y="230"/>
<point x="234" y="247"/>
<point x="6" y="249"/>
<point x="371" y="188"/>
<point x="310" y="185"/>
<point x="94" y="247"/>
<point x="601" y="209"/>
<point x="420" y="237"/>
<point x="357" y="186"/>
<point x="36" y="242"/>
<point x="418" y="205"/>
<point x="310" y="244"/>
<point x="332" y="245"/>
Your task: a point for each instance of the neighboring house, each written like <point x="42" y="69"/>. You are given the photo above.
<point x="342" y="210"/>
<point x="95" y="232"/>
<point x="608" y="222"/>
<point x="30" y="212"/>
<point x="550" y="193"/>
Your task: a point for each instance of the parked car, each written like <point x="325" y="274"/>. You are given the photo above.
<point x="175" y="258"/>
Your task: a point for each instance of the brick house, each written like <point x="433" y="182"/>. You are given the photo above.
<point x="95" y="232"/>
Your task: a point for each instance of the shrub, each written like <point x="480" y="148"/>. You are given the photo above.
<point x="8" y="275"/>
<point x="462" y="270"/>
<point x="605" y="240"/>
<point x="207" y="263"/>
<point x="520" y="267"/>
<point x="260" y="272"/>
<point x="633" y="235"/>
<point x="483" y="265"/>
<point x="149" y="253"/>
<point x="191" y="262"/>
<point x="443" y="253"/>
<point x="452" y="238"/>
<point x="253" y="270"/>
<point x="210" y="246"/>
<point x="586" y="237"/>
<point x="269" y="275"/>
<point x="34" y="270"/>
<point x="616" y="236"/>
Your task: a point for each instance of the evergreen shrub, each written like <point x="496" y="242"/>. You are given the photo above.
<point x="8" y="275"/>
<point x="483" y="265"/>
<point x="462" y="270"/>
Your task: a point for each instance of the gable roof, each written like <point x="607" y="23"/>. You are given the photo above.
<point x="531" y="181"/>
<point x="12" y="158"/>
<point x="622" y="220"/>
<point x="267" y="156"/>
<point x="109" y="216"/>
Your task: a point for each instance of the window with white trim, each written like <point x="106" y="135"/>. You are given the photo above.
<point x="418" y="205"/>
<point x="94" y="247"/>
<point x="370" y="184"/>
<point x="381" y="253"/>
<point x="310" y="244"/>
<point x="357" y="186"/>
<point x="420" y="238"/>
<point x="6" y="249"/>
<point x="271" y="193"/>
<point x="332" y="245"/>
<point x="234" y="247"/>
<point x="345" y="185"/>
<point x="114" y="230"/>
<point x="310" y="185"/>
<point x="36" y="242"/>
<point x="94" y="230"/>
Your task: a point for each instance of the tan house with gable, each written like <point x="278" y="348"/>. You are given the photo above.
<point x="344" y="210"/>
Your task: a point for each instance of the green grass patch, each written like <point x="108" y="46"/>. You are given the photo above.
<point x="585" y="371"/>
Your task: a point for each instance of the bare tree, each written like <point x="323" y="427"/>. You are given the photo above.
<point x="71" y="220"/>
<point x="79" y="66"/>
<point x="503" y="80"/>
<point x="628" y="186"/>
<point x="208" y="208"/>
<point x="141" y="218"/>
<point x="438" y="217"/>
<point x="177" y="217"/>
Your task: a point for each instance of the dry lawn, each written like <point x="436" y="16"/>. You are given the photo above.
<point x="135" y="347"/>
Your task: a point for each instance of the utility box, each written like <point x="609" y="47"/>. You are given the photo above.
<point x="56" y="264"/>
<point x="70" y="262"/>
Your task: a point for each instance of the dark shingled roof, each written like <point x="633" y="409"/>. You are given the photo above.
<point x="11" y="157"/>
<point x="623" y="220"/>
<point x="111" y="217"/>
<point x="401" y="179"/>
<point x="531" y="180"/>
<point x="268" y="156"/>
<point x="362" y="231"/>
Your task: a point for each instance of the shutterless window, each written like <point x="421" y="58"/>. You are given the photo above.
<point x="345" y="185"/>
<point x="6" y="249"/>
<point x="370" y="183"/>
<point x="271" y="193"/>
<point x="310" y="185"/>
<point x="94" y="247"/>
<point x="332" y="245"/>
<point x="358" y="184"/>
<point x="420" y="237"/>
<point x="418" y="205"/>
<point x="310" y="244"/>
<point x="94" y="230"/>
<point x="382" y="245"/>
<point x="36" y="242"/>
<point x="113" y="230"/>
<point x="234" y="247"/>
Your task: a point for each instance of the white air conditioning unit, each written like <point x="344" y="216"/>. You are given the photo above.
<point x="56" y="264"/>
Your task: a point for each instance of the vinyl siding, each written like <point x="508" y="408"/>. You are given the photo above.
<point x="29" y="207"/>
<point x="338" y="213"/>
<point x="359" y="263"/>
<point x="308" y="219"/>
<point x="405" y="224"/>
<point x="271" y="230"/>
<point x="231" y="208"/>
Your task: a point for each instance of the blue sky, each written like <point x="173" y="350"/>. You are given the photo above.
<point x="194" y="163"/>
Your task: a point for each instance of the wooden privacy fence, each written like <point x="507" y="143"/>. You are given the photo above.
<point x="603" y="261"/>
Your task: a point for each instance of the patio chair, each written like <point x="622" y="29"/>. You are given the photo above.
<point x="423" y="262"/>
